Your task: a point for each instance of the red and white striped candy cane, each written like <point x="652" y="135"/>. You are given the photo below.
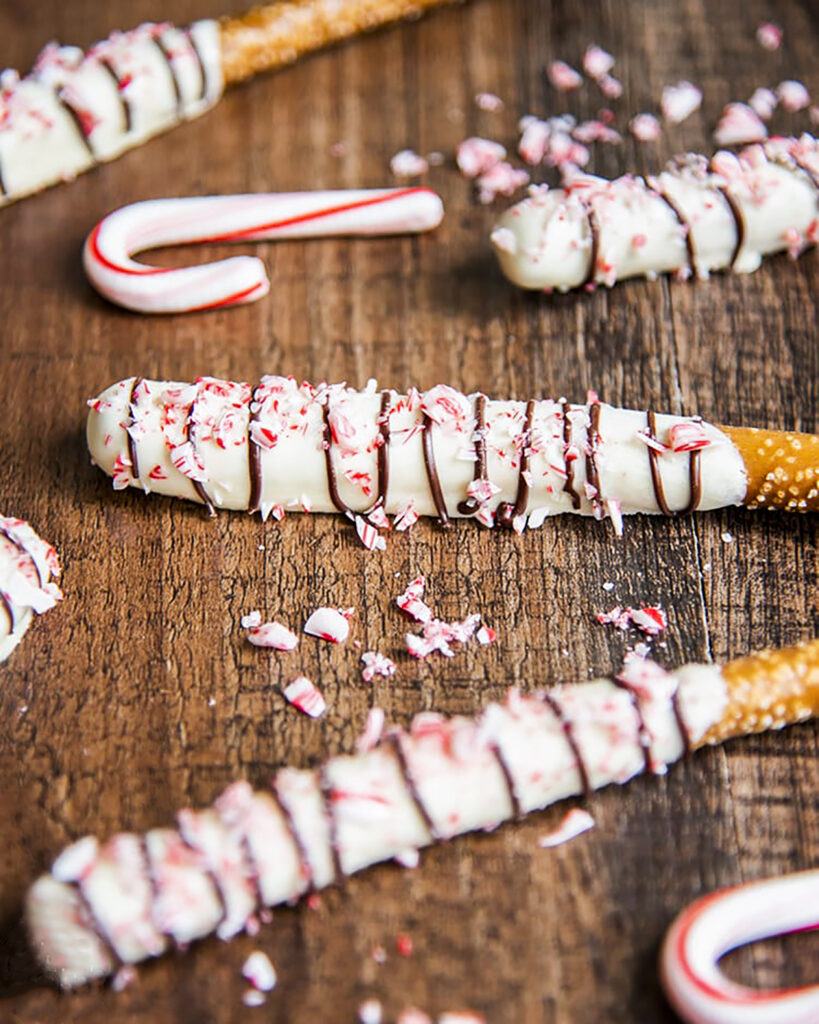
<point x="715" y="924"/>
<point x="244" y="218"/>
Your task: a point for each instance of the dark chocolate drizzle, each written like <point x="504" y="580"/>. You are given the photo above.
<point x="3" y="188"/>
<point x="177" y="90"/>
<point x="252" y="869"/>
<point x="508" y="779"/>
<point x="507" y="512"/>
<point x="568" y="732"/>
<point x="132" y="445"/>
<point x="394" y="739"/>
<point x="432" y="472"/>
<point x="126" y="106"/>
<point x="644" y="736"/>
<point x="568" y="485"/>
<point x="202" y="69"/>
<point x="739" y="222"/>
<point x="198" y="486"/>
<point x="327" y="795"/>
<point x="592" y="473"/>
<point x="5" y="601"/>
<point x="75" y="117"/>
<point x="332" y="482"/>
<point x="383" y="456"/>
<point x="301" y="850"/>
<point x="688" y="234"/>
<point x="694" y="474"/>
<point x="685" y="736"/>
<point x="254" y="456"/>
<point x="594" y="233"/>
<point x="470" y="505"/>
<point x="212" y="876"/>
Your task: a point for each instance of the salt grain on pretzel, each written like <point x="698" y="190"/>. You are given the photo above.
<point x="439" y="779"/>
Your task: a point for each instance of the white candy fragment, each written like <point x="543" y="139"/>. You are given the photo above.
<point x="259" y="971"/>
<point x="793" y="95"/>
<point x="575" y="823"/>
<point x="328" y="624"/>
<point x="273" y="634"/>
<point x="370" y="1012"/>
<point x="763" y="102"/>
<point x="376" y="664"/>
<point x="597" y="62"/>
<point x="476" y="156"/>
<point x="408" y="164"/>
<point x="645" y="127"/>
<point x="306" y="696"/>
<point x="680" y="101"/>
<point x="563" y="77"/>
<point x="489" y="101"/>
<point x="769" y="35"/>
<point x="739" y="124"/>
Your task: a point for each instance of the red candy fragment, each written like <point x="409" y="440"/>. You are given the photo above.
<point x="328" y="624"/>
<point x="305" y="695"/>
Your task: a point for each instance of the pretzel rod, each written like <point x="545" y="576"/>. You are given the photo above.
<point x="134" y="897"/>
<point x="284" y="445"/>
<point x="697" y="216"/>
<point x="76" y="109"/>
<point x="28" y="568"/>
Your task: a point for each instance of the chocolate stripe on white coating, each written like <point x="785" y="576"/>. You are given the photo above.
<point x="470" y="504"/>
<point x="190" y="433"/>
<point x="508" y="779"/>
<point x="304" y="860"/>
<point x="688" y="234"/>
<point x="127" y="115"/>
<point x="132" y="448"/>
<point x="71" y="110"/>
<point x="568" y="732"/>
<point x="203" y="92"/>
<point x="383" y="458"/>
<point x="644" y="735"/>
<point x="177" y="90"/>
<point x="326" y="787"/>
<point x="254" y="454"/>
<point x="508" y="512"/>
<point x="395" y="739"/>
<point x="432" y="471"/>
<point x="568" y="484"/>
<point x="739" y="222"/>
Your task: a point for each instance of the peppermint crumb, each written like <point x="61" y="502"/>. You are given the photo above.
<point x="726" y="537"/>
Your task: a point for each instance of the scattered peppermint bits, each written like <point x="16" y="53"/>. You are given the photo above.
<point x="502" y="180"/>
<point x="651" y="619"/>
<point x="271" y="634"/>
<point x="476" y="156"/>
<point x="739" y="124"/>
<point x="486" y="636"/>
<point x="369" y="535"/>
<point x="408" y="858"/>
<point x="259" y="971"/>
<point x="306" y="696"/>
<point x="597" y="62"/>
<point x="574" y="823"/>
<point x="644" y="127"/>
<point x="376" y="664"/>
<point x="252" y="998"/>
<point x="793" y="95"/>
<point x="370" y="1012"/>
<point x="411" y="603"/>
<point x="439" y="636"/>
<point x="769" y="36"/>
<point x="726" y="537"/>
<point x="373" y="731"/>
<point x="403" y="943"/>
<point x="329" y="624"/>
<point x="412" y="1015"/>
<point x="124" y="977"/>
<point x="680" y="101"/>
<point x="489" y="101"/>
<point x="564" y="77"/>
<point x="763" y="102"/>
<point x="408" y="164"/>
<point x="461" y="1017"/>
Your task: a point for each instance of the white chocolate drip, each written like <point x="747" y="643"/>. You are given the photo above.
<point x="695" y="217"/>
<point x="77" y="109"/>
<point x="331" y="448"/>
<point x="123" y="901"/>
<point x="28" y="566"/>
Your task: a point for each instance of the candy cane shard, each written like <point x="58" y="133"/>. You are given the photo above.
<point x="77" y="109"/>
<point x="695" y="217"/>
<point x="28" y="570"/>
<point x="130" y="898"/>
<point x="245" y="218"/>
<point x="283" y="445"/>
<point x="712" y="926"/>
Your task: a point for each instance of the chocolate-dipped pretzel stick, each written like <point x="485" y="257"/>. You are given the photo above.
<point x="283" y="446"/>
<point x="28" y="569"/>
<point x="76" y="109"/>
<point x="698" y="215"/>
<point x="135" y="896"/>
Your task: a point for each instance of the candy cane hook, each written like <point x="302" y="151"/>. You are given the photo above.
<point x="109" y="248"/>
<point x="709" y="928"/>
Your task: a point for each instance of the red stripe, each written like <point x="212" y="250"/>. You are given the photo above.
<point x="229" y="300"/>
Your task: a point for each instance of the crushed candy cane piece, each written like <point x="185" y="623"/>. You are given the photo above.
<point x="501" y="180"/>
<point x="534" y="139"/>
<point x="76" y="860"/>
<point x="574" y="823"/>
<point x="738" y="125"/>
<point x="563" y="77"/>
<point x="370" y="1012"/>
<point x="595" y="131"/>
<point x="372" y="732"/>
<point x="645" y="127"/>
<point x="596" y="61"/>
<point x="376" y="664"/>
<point x="680" y="101"/>
<point x="489" y="101"/>
<point x="306" y="696"/>
<point x="763" y="102"/>
<point x="405" y="517"/>
<point x="611" y="87"/>
<point x="274" y="635"/>
<point x="438" y="636"/>
<point x="461" y="1017"/>
<point x="378" y="954"/>
<point x="408" y="858"/>
<point x="403" y="943"/>
<point x="651" y="620"/>
<point x="608" y="586"/>
<point x="476" y="156"/>
<point x="328" y="624"/>
<point x="726" y="537"/>
<point x="408" y="164"/>
<point x="412" y="1015"/>
<point x="793" y="95"/>
<point x="251" y="620"/>
<point x="125" y="976"/>
<point x="769" y="36"/>
<point x="252" y="998"/>
<point x="411" y="603"/>
<point x="486" y="635"/>
<point x="505" y="240"/>
<point x="369" y="535"/>
<point x="259" y="971"/>
<point x="688" y="437"/>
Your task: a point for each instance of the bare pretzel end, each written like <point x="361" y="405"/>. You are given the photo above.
<point x="783" y="468"/>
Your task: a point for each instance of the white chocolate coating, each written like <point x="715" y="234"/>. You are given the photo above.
<point x="77" y="109"/>
<point x="705" y="931"/>
<point x="198" y="441"/>
<point x="244" y="218"/>
<point x="442" y="778"/>
<point x="693" y="218"/>
<point x="28" y="567"/>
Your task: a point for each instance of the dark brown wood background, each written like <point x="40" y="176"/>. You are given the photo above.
<point x="138" y="695"/>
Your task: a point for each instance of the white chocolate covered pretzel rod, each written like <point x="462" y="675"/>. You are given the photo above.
<point x="286" y="446"/>
<point x="697" y="216"/>
<point x="77" y="109"/>
<point x="245" y="218"/>
<point x="28" y="568"/>
<point x="133" y="897"/>
<point x="712" y="926"/>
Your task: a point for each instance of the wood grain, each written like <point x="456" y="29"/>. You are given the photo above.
<point x="138" y="695"/>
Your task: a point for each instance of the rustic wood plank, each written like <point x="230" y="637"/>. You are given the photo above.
<point x="138" y="696"/>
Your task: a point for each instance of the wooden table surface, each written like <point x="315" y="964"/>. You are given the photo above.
<point x="138" y="695"/>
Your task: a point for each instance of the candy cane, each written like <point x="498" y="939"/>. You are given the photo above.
<point x="695" y="217"/>
<point x="133" y="897"/>
<point x="696" y="987"/>
<point x="75" y="109"/>
<point x="287" y="446"/>
<point x="28" y="568"/>
<point x="245" y="218"/>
